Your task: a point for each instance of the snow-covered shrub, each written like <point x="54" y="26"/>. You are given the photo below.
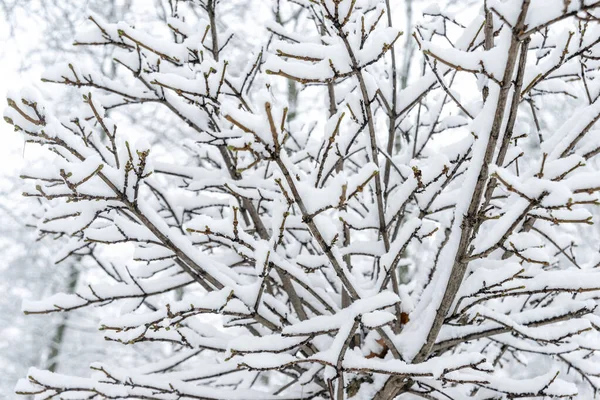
<point x="376" y="241"/>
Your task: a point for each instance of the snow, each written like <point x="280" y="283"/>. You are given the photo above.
<point x="252" y="242"/>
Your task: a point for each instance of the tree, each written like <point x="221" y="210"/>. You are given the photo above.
<point x="429" y="241"/>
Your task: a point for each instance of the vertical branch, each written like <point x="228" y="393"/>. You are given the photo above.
<point x="212" y="4"/>
<point x="56" y="343"/>
<point x="392" y="116"/>
<point x="408" y="46"/>
<point x="469" y="222"/>
<point x="488" y="43"/>
<point x="340" y="359"/>
<point x="512" y="117"/>
<point x="371" y="127"/>
<point x="388" y="162"/>
<point x="346" y="299"/>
